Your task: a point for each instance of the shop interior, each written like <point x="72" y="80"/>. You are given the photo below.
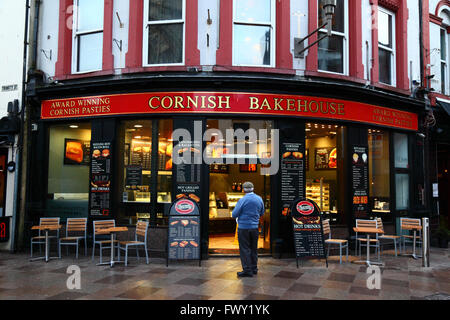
<point x="226" y="181"/>
<point x="324" y="145"/>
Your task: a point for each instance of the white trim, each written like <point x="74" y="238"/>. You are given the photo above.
<point x="273" y="33"/>
<point x="147" y="23"/>
<point x="443" y="100"/>
<point x="345" y="45"/>
<point x="392" y="50"/>
<point x="76" y="34"/>
<point x="445" y="62"/>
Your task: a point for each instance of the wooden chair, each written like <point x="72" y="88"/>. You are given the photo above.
<point x="408" y="236"/>
<point x="40" y="239"/>
<point x="104" y="241"/>
<point x="342" y="243"/>
<point x="387" y="236"/>
<point x="75" y="231"/>
<point x="141" y="231"/>
<point x="374" y="242"/>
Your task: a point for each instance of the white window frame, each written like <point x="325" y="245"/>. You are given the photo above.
<point x="147" y="24"/>
<point x="344" y="35"/>
<point x="76" y="34"/>
<point x="444" y="62"/>
<point x="271" y="24"/>
<point x="392" y="50"/>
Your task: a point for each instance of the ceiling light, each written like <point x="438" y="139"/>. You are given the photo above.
<point x="138" y="137"/>
<point x="73" y="126"/>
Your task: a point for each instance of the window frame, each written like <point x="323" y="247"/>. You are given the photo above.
<point x="391" y="50"/>
<point x="76" y="36"/>
<point x="444" y="62"/>
<point x="145" y="36"/>
<point x="345" y="39"/>
<point x="273" y="34"/>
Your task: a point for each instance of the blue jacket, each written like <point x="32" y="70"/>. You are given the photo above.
<point x="248" y="210"/>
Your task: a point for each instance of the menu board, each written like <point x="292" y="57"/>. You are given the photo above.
<point x="188" y="172"/>
<point x="184" y="230"/>
<point x="325" y="158"/>
<point x="76" y="152"/>
<point x="307" y="228"/>
<point x="141" y="152"/>
<point x="133" y="176"/>
<point x="100" y="182"/>
<point x="360" y="181"/>
<point x="292" y="174"/>
<point x="184" y="238"/>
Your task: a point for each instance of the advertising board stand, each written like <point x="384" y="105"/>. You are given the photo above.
<point x="183" y="236"/>
<point x="307" y="227"/>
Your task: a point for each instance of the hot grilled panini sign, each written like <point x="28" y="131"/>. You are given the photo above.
<point x="227" y="103"/>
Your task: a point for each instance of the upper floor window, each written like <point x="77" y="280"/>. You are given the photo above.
<point x="444" y="66"/>
<point x="164" y="32"/>
<point x="332" y="51"/>
<point x="386" y="46"/>
<point x="254" y="33"/>
<point x="87" y="36"/>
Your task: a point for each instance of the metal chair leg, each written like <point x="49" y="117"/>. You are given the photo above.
<point x="126" y="255"/>
<point x="146" y="253"/>
<point x="340" y="253"/>
<point x="77" y="250"/>
<point x="137" y="252"/>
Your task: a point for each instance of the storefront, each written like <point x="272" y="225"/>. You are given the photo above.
<point x="113" y="156"/>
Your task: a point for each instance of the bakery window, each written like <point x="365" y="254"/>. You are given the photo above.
<point x="324" y="168"/>
<point x="379" y="173"/>
<point x="68" y="169"/>
<point x="164" y="184"/>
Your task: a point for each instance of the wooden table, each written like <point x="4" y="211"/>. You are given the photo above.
<point x="111" y="231"/>
<point x="415" y="228"/>
<point x="368" y="231"/>
<point x="46" y="228"/>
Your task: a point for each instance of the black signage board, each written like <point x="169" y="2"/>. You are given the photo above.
<point x="183" y="236"/>
<point x="100" y="179"/>
<point x="4" y="229"/>
<point x="360" y="181"/>
<point x="307" y="227"/>
<point x="292" y="174"/>
<point x="133" y="176"/>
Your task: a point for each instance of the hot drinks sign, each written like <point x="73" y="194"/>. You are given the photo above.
<point x="227" y="103"/>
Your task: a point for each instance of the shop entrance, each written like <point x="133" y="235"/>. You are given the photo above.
<point x="225" y="186"/>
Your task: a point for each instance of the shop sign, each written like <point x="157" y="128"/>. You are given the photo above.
<point x="227" y="103"/>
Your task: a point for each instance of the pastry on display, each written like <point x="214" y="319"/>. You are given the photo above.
<point x="74" y="151"/>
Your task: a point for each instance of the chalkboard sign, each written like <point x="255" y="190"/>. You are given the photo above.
<point x="100" y="182"/>
<point x="360" y="182"/>
<point x="183" y="237"/>
<point x="308" y="230"/>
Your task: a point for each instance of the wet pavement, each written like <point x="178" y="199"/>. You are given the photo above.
<point x="402" y="278"/>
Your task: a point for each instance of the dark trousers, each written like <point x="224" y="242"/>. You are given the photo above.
<point x="248" y="249"/>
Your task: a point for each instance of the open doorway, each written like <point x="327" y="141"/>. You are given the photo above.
<point x="225" y="181"/>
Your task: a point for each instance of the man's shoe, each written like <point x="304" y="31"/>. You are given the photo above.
<point x="244" y="274"/>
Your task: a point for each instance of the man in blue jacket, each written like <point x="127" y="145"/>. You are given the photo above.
<point x="248" y="210"/>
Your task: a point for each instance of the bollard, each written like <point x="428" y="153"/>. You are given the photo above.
<point x="425" y="242"/>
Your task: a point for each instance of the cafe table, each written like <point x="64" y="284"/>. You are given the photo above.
<point x="415" y="228"/>
<point x="112" y="231"/>
<point x="46" y="229"/>
<point x="368" y="231"/>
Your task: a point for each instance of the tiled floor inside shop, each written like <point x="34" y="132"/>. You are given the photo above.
<point x="402" y="278"/>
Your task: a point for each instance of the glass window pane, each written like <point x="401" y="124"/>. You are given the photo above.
<point x="379" y="178"/>
<point x="165" y="43"/>
<point x="401" y="150"/>
<point x="443" y="45"/>
<point x="252" y="45"/>
<point x="165" y="10"/>
<point x="68" y="170"/>
<point x="385" y="66"/>
<point x="331" y="54"/>
<point x="253" y="11"/>
<point x="165" y="147"/>
<point x="443" y="76"/>
<point x="384" y="29"/>
<point x="338" y="23"/>
<point x="90" y="15"/>
<point x="402" y="191"/>
<point x="90" y="51"/>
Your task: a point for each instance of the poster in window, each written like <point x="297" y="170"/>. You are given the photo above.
<point x="76" y="152"/>
<point x="325" y="158"/>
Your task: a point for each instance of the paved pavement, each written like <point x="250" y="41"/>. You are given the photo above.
<point x="403" y="278"/>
